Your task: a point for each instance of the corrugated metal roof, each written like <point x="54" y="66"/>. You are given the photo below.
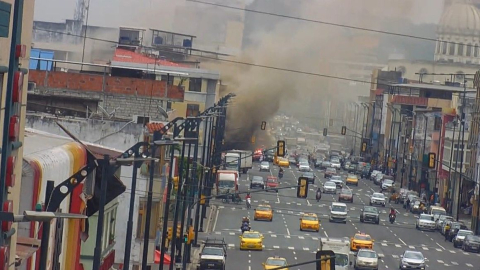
<point x="433" y="87"/>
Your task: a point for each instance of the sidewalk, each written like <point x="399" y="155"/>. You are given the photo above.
<point x="208" y="224"/>
<point x="467" y="219"/>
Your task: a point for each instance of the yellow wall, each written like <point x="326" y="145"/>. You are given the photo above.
<point x="186" y="84"/>
<point x="27" y="24"/>
<point x="181" y="107"/>
<point x="439" y="103"/>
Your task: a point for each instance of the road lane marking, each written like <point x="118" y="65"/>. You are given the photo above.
<point x="306" y="249"/>
<point x="440" y="246"/>
<point x="454" y="263"/>
<point x="291" y="248"/>
<point x="273" y="235"/>
<point x="276" y="247"/>
<point x="231" y="233"/>
<point x="469" y="265"/>
<point x="288" y="232"/>
<point x="231" y="245"/>
<point x="452" y="251"/>
<point x="308" y="202"/>
<point x="440" y="261"/>
<point x="411" y="247"/>
<point x="397" y="245"/>
<point x="325" y="233"/>
<point x="425" y="248"/>
<point x="383" y="244"/>
<point x="301" y="237"/>
<point x="216" y="219"/>
<point x="402" y="241"/>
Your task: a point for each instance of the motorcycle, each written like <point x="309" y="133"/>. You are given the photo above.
<point x="392" y="218"/>
<point x="318" y="196"/>
<point x="280" y="175"/>
<point x="248" y="202"/>
<point x="245" y="227"/>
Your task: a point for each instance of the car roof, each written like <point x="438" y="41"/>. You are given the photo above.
<point x="465" y="231"/>
<point x="330" y="183"/>
<point x="310" y="214"/>
<point x="265" y="205"/>
<point x="378" y="193"/>
<point x="276" y="258"/>
<point x="361" y="233"/>
<point x="367" y="250"/>
<point x="346" y="190"/>
<point x="413" y="251"/>
<point x="339" y="204"/>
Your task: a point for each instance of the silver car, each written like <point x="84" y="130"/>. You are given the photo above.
<point x="264" y="166"/>
<point x="426" y="222"/>
<point x="412" y="260"/>
<point x="330" y="187"/>
<point x="366" y="259"/>
<point x="460" y="237"/>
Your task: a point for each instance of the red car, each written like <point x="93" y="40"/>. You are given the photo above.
<point x="272" y="182"/>
<point x="257" y="154"/>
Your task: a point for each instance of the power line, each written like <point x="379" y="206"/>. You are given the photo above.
<point x="317" y="21"/>
<point x="234" y="61"/>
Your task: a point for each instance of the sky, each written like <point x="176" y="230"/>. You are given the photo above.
<point x="114" y="13"/>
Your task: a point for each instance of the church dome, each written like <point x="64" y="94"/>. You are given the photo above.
<point x="460" y="16"/>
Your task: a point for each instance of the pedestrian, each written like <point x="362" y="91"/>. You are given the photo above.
<point x="447" y="231"/>
<point x="432" y="199"/>
<point x="408" y="204"/>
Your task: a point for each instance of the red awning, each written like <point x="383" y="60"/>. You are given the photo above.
<point x="166" y="257"/>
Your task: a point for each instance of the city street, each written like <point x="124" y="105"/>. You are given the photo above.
<point x="283" y="237"/>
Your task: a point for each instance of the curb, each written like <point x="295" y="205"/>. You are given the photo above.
<point x="196" y="252"/>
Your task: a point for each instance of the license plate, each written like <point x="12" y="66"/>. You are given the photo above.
<point x="251" y="246"/>
<point x="211" y="264"/>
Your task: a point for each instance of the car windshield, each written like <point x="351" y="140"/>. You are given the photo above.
<point x="309" y="175"/>
<point x="226" y="184"/>
<point x="251" y="235"/>
<point x="212" y="251"/>
<point x="413" y="255"/>
<point x="474" y="238"/>
<point x="264" y="208"/>
<point x="378" y="196"/>
<point x="346" y="191"/>
<point x="388" y="182"/>
<point x="304" y="164"/>
<point x="330" y="184"/>
<point x="367" y="254"/>
<point x="352" y="176"/>
<point x="276" y="262"/>
<point x="427" y="217"/>
<point x="336" y="177"/>
<point x="265" y="163"/>
<point x="312" y="218"/>
<point x="339" y="208"/>
<point x="370" y="209"/>
<point x="438" y="212"/>
<point x="443" y="217"/>
<point x="363" y="237"/>
<point x="331" y="170"/>
<point x="341" y="259"/>
<point x="464" y="233"/>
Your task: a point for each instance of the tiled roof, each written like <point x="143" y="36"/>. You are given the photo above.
<point x="152" y="127"/>
<point x="122" y="55"/>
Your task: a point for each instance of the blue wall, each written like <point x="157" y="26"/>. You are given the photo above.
<point x="41" y="64"/>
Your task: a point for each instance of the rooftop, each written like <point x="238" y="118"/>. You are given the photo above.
<point x="454" y="89"/>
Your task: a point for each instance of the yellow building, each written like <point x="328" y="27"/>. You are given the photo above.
<point x="26" y="37"/>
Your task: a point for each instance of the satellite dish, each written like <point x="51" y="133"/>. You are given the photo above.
<point x="163" y="112"/>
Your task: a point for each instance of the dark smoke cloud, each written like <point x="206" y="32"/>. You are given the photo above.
<point x="308" y="47"/>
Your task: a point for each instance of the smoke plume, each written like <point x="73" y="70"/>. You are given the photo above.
<point x="303" y="46"/>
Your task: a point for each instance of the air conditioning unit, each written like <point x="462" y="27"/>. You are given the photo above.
<point x="139" y="119"/>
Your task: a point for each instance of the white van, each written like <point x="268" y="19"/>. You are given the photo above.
<point x="338" y="212"/>
<point x="437" y="211"/>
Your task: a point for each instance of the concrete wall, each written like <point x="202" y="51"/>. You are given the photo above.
<point x="116" y="135"/>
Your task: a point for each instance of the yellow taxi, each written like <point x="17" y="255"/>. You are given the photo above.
<point x="352" y="179"/>
<point x="309" y="222"/>
<point x="251" y="240"/>
<point x="283" y="162"/>
<point x="361" y="240"/>
<point x="263" y="212"/>
<point x="275" y="262"/>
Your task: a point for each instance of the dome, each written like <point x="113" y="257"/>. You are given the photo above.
<point x="460" y="16"/>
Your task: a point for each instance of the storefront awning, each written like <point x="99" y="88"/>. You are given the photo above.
<point x="166" y="257"/>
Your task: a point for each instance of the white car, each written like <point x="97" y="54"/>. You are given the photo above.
<point x="338" y="212"/>
<point x="460" y="237"/>
<point x="330" y="187"/>
<point x="335" y="164"/>
<point x="265" y="166"/>
<point x="337" y="179"/>
<point x="377" y="199"/>
<point x="426" y="222"/>
<point x="387" y="183"/>
<point x="366" y="259"/>
<point x="304" y="167"/>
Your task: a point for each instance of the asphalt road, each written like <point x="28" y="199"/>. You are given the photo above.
<point x="283" y="237"/>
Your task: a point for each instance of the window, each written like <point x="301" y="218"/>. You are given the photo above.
<point x="460" y="49"/>
<point x="168" y="78"/>
<point x="195" y="85"/>
<point x="193" y="110"/>
<point x="444" y="47"/>
<point x="469" y="50"/>
<point x="142" y="218"/>
<point x="475" y="51"/>
<point x="451" y="49"/>
<point x="460" y="75"/>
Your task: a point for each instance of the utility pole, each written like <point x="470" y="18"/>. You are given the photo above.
<point x="459" y="201"/>
<point x="412" y="154"/>
<point x="438" y="162"/>
<point x="452" y="149"/>
<point x="397" y="141"/>
<point x="356" y="130"/>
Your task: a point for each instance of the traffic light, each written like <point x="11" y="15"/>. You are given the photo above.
<point x="185" y="238"/>
<point x="431" y="160"/>
<point x="325" y="260"/>
<point x="280" y="148"/>
<point x="264" y="125"/>
<point x="344" y="130"/>
<point x="302" y="189"/>
<point x="179" y="231"/>
<point x="364" y="147"/>
<point x="169" y="233"/>
<point x="252" y="140"/>
<point x="191" y="235"/>
<point x="202" y="199"/>
<point x="325" y="132"/>
<point x="175" y="182"/>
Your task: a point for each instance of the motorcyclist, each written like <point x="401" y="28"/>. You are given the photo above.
<point x="319" y="194"/>
<point x="280" y="173"/>
<point x="393" y="212"/>
<point x="248" y="196"/>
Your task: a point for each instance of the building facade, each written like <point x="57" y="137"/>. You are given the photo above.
<point x="26" y="18"/>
